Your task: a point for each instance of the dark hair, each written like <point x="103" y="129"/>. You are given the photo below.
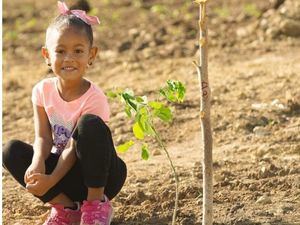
<point x="70" y="20"/>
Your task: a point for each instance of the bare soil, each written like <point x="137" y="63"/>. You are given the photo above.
<point x="255" y="81"/>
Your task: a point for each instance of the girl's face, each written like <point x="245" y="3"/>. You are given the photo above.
<point x="69" y="52"/>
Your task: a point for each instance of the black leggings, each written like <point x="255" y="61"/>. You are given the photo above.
<point x="97" y="163"/>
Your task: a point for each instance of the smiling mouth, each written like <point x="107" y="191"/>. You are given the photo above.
<point x="69" y="68"/>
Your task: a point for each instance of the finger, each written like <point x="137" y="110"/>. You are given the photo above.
<point x="28" y="172"/>
<point x="31" y="181"/>
<point x="35" y="176"/>
<point x="32" y="185"/>
<point x="26" y="177"/>
<point x="30" y="188"/>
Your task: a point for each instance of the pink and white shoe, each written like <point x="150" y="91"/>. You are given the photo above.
<point x="61" y="216"/>
<point x="96" y="212"/>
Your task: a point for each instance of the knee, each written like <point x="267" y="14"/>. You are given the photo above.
<point x="10" y="151"/>
<point x="90" y="124"/>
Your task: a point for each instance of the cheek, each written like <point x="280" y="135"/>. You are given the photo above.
<point x="54" y="59"/>
<point x="56" y="63"/>
<point x="84" y="60"/>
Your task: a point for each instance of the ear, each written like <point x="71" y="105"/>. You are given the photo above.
<point x="93" y="54"/>
<point x="45" y="54"/>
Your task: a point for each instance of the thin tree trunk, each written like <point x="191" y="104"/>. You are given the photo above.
<point x="205" y="118"/>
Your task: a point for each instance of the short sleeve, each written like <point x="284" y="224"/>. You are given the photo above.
<point x="36" y="96"/>
<point x="98" y="105"/>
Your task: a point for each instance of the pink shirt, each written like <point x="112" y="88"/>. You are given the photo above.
<point x="63" y="115"/>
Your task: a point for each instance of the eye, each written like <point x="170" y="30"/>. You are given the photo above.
<point x="78" y="51"/>
<point x="59" y="51"/>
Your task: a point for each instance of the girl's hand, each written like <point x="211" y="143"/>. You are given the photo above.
<point x="39" y="183"/>
<point x="35" y="167"/>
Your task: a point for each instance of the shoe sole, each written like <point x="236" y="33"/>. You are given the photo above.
<point x="111" y="217"/>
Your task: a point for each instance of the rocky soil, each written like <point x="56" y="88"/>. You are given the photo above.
<point x="254" y="64"/>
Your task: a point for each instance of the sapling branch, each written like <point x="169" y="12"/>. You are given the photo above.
<point x="158" y="139"/>
<point x="144" y="114"/>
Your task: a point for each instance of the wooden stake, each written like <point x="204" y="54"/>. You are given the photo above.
<point x="205" y="117"/>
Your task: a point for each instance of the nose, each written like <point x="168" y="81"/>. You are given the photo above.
<point x="69" y="57"/>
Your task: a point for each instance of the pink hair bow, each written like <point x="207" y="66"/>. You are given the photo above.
<point x="90" y="20"/>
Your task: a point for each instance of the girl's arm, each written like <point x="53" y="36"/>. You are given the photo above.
<point x="37" y="182"/>
<point x="42" y="182"/>
<point x="65" y="162"/>
<point x="42" y="144"/>
<point x="43" y="137"/>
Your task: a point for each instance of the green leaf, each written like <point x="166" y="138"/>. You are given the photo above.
<point x="145" y="152"/>
<point x="143" y="119"/>
<point x="128" y="111"/>
<point x="155" y="105"/>
<point x="141" y="99"/>
<point x="149" y="129"/>
<point x="167" y="94"/>
<point x="129" y="99"/>
<point x="164" y="113"/>
<point x="127" y="96"/>
<point x="129" y="93"/>
<point x="161" y="111"/>
<point x="111" y="94"/>
<point x="132" y="104"/>
<point x="174" y="91"/>
<point x="180" y="91"/>
<point x="124" y="147"/>
<point x="137" y="131"/>
<point x="142" y="123"/>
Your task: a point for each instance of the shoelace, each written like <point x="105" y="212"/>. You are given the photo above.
<point x="92" y="214"/>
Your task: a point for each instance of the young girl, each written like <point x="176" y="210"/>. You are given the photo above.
<point x="73" y="164"/>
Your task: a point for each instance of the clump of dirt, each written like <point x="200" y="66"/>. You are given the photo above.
<point x="282" y="21"/>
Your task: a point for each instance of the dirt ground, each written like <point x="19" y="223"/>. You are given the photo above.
<point x="254" y="66"/>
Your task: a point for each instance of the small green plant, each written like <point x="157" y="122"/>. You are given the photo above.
<point x="137" y="3"/>
<point x="222" y="12"/>
<point x="10" y="35"/>
<point x="252" y="10"/>
<point x="30" y="24"/>
<point x="144" y="114"/>
<point x="160" y="9"/>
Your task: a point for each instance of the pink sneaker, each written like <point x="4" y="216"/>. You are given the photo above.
<point x="96" y="212"/>
<point x="61" y="216"/>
